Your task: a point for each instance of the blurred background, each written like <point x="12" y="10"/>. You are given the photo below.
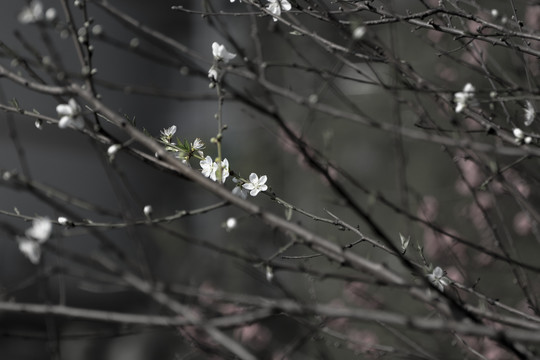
<point x="156" y="88"/>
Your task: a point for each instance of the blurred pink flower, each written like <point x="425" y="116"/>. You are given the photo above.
<point x="437" y="245"/>
<point x="361" y="340"/>
<point x="454" y="274"/>
<point x="280" y="355"/>
<point x="517" y="181"/>
<point x="255" y="336"/>
<point x="208" y="288"/>
<point x="428" y="208"/>
<point x="359" y="294"/>
<point x="471" y="173"/>
<point x="522" y="223"/>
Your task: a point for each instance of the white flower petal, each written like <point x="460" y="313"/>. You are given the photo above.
<point x="64" y="109"/>
<point x="41" y="229"/>
<point x="285" y="5"/>
<point x="253" y="178"/>
<point x="30" y="249"/>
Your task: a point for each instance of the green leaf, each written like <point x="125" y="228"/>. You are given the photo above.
<point x="404" y="242"/>
<point x="288" y="213"/>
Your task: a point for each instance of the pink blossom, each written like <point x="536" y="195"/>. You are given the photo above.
<point x="255" y="336"/>
<point x="428" y="209"/>
<point x="522" y="223"/>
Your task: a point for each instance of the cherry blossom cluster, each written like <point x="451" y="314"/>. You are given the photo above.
<point x="37" y="234"/>
<point x="70" y="115"/>
<point x="182" y="150"/>
<point x="214" y="169"/>
<point x="221" y="55"/>
<point x="276" y="7"/>
<point x="463" y="98"/>
<point x="35" y="12"/>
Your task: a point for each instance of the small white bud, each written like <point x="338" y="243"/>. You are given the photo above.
<point x="269" y="273"/>
<point x="113" y="149"/>
<point x="63" y="220"/>
<point x="97" y="30"/>
<point x="50" y="14"/>
<point x="359" y="32"/>
<point x="518" y="133"/>
<point x="230" y="224"/>
<point x="494" y="13"/>
<point x="148" y="210"/>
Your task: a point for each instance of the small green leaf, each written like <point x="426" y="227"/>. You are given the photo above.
<point x="288" y="213"/>
<point x="404" y="242"/>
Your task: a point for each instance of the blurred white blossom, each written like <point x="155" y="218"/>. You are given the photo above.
<point x="213" y="73"/>
<point x="359" y="32"/>
<point x="530" y="113"/>
<point x="147" y="210"/>
<point x="40" y="231"/>
<point x="221" y="53"/>
<point x="50" y="14"/>
<point x="30" y="248"/>
<point x="31" y="13"/>
<point x="269" y="273"/>
<point x="239" y="190"/>
<point x="438" y="279"/>
<point x="462" y="98"/>
<point x="70" y="115"/>
<point x="276" y="6"/>
<point x="520" y="136"/>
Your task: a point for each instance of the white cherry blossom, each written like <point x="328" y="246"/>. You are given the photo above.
<point x="462" y="98"/>
<point x="32" y="13"/>
<point x="230" y="224"/>
<point x="30" y="248"/>
<point x="213" y="74"/>
<point x="438" y="279"/>
<point x="40" y="231"/>
<point x="148" y="210"/>
<point x="276" y="6"/>
<point x="221" y="53"/>
<point x="208" y="167"/>
<point x="70" y="115"/>
<point x="255" y="184"/>
<point x="224" y="171"/>
<point x="168" y="133"/>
